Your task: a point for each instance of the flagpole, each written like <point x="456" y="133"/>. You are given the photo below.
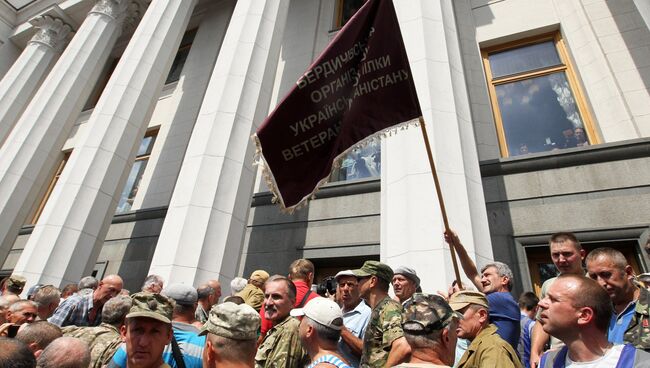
<point x="440" y="199"/>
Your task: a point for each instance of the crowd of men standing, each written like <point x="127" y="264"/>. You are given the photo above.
<point x="598" y="317"/>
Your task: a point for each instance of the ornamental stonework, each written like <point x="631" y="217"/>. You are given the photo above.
<point x="52" y="32"/>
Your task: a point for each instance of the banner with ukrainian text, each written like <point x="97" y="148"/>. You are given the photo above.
<point x="360" y="87"/>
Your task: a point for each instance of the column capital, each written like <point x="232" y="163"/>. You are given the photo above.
<point x="119" y="10"/>
<point x="52" y="32"/>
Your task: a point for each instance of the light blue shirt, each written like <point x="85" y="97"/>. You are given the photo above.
<point x="618" y="324"/>
<point x="356" y="321"/>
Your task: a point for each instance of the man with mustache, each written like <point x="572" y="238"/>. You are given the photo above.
<point x="281" y="346"/>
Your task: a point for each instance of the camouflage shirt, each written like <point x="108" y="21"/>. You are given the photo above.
<point x="103" y="341"/>
<point x="638" y="331"/>
<point x="384" y="327"/>
<point x="281" y="347"/>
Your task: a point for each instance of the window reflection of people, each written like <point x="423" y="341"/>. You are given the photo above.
<point x="523" y="149"/>
<point x="569" y="139"/>
<point x="580" y="137"/>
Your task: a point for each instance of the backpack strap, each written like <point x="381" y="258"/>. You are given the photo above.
<point x="304" y="299"/>
<point x="177" y="354"/>
<point x="628" y="354"/>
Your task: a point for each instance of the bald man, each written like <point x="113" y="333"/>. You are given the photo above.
<point x="86" y="310"/>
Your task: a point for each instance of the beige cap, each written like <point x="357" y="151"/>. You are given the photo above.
<point x="464" y="298"/>
<point x="260" y="275"/>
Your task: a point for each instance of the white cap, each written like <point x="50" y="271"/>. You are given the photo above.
<point x="323" y="311"/>
<point x="344" y="273"/>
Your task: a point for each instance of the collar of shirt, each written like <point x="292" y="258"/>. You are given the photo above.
<point x="357" y="310"/>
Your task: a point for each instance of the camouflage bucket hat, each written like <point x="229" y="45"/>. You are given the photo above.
<point x="148" y="305"/>
<point x="238" y="322"/>
<point x="375" y="268"/>
<point x="425" y="313"/>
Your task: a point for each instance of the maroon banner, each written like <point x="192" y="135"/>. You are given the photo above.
<point x="359" y="87"/>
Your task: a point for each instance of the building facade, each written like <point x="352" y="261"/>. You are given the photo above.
<point x="125" y="129"/>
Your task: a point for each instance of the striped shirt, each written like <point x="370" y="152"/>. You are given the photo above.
<point x="331" y="359"/>
<point x="190" y="343"/>
<point x="74" y="312"/>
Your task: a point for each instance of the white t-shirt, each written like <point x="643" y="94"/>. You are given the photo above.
<point x="610" y="359"/>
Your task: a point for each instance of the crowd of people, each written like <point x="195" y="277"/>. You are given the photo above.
<point x="593" y="317"/>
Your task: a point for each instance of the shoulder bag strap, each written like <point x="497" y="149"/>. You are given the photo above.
<point x="304" y="299"/>
<point x="177" y="354"/>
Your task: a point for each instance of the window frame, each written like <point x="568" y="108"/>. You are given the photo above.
<point x="338" y="15"/>
<point x="153" y="132"/>
<point x="566" y="68"/>
<point x="50" y="188"/>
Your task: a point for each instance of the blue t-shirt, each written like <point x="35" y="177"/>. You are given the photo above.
<point x="505" y="314"/>
<point x="190" y="343"/>
<point x="618" y="324"/>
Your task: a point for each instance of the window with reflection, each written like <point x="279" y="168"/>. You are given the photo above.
<point x="360" y="164"/>
<point x="137" y="170"/>
<point x="345" y="9"/>
<point x="535" y="97"/>
<point x="181" y="57"/>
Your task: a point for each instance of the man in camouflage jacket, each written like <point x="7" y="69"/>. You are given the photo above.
<point x="105" y="339"/>
<point x="281" y="346"/>
<point x="384" y="344"/>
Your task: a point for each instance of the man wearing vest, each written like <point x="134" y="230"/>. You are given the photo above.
<point x="577" y="311"/>
<point x="631" y="318"/>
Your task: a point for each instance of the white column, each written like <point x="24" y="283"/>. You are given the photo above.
<point x="34" y="144"/>
<point x="175" y="131"/>
<point x="411" y="224"/>
<point x="69" y="235"/>
<point x="203" y="233"/>
<point x="25" y="76"/>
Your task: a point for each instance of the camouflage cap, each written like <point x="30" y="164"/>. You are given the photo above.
<point x="16" y="282"/>
<point x="464" y="298"/>
<point x="425" y="313"/>
<point x="148" y="305"/>
<point x="375" y="268"/>
<point x="260" y="275"/>
<point x="238" y="322"/>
